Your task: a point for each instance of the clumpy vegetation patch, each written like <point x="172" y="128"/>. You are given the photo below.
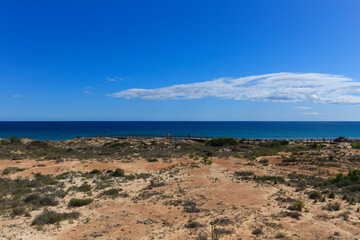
<point x="222" y="141"/>
<point x="222" y="188"/>
<point x="50" y="217"/>
<point x="75" y="202"/>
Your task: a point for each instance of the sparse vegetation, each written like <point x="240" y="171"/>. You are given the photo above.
<point x="323" y="175"/>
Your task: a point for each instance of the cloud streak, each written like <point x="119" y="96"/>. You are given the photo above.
<point x="114" y="79"/>
<point x="276" y="87"/>
<point x="311" y="113"/>
<point x="304" y="108"/>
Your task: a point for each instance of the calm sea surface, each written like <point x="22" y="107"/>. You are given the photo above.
<point x="287" y="130"/>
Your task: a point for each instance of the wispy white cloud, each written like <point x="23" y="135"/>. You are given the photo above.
<point x="304" y="108"/>
<point x="276" y="87"/>
<point x="114" y="79"/>
<point x="311" y="113"/>
<point x="17" y="96"/>
<point x="87" y="92"/>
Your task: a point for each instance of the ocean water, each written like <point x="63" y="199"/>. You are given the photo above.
<point x="268" y="130"/>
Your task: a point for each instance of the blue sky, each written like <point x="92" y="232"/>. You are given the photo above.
<point x="87" y="60"/>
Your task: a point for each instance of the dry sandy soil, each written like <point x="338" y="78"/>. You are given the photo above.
<point x="158" y="207"/>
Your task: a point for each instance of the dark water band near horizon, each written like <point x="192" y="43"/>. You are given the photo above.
<point x="245" y="129"/>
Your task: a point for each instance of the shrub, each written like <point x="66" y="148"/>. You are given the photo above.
<point x="314" y="145"/>
<point x="63" y="175"/>
<point x="223" y="231"/>
<point x="355" y="145"/>
<point x="193" y="224"/>
<point x="39" y="201"/>
<point x="32" y="198"/>
<point x="117" y="144"/>
<point x="50" y="217"/>
<point x="315" y="195"/>
<point x="75" y="202"/>
<point x="331" y="195"/>
<point x="119" y="173"/>
<point x="264" y="161"/>
<point x="111" y="192"/>
<point x="222" y="221"/>
<point x="9" y="170"/>
<point x="222" y="141"/>
<point x="84" y="187"/>
<point x="277" y="143"/>
<point x="243" y="173"/>
<point x="152" y="160"/>
<point x="340" y="139"/>
<point x="333" y="206"/>
<point x="298" y="206"/>
<point x="142" y="175"/>
<point x="352" y="178"/>
<point x="279" y="235"/>
<point x="191" y="209"/>
<point x="95" y="171"/>
<point x="295" y="215"/>
<point x="14" y="140"/>
<point x="38" y="144"/>
<point x="207" y="161"/>
<point x="257" y="231"/>
<point x="18" y="211"/>
<point x="354" y="175"/>
<point x="48" y="201"/>
<point x="274" y="179"/>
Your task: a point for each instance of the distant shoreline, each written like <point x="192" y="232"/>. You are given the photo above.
<point x="181" y="129"/>
<point x="203" y="139"/>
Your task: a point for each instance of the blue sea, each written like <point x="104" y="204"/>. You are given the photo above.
<point x="268" y="130"/>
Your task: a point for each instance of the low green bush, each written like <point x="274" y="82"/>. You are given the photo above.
<point x="111" y="192"/>
<point x="9" y="170"/>
<point x="279" y="236"/>
<point x="117" y="144"/>
<point x="297" y="206"/>
<point x="95" y="171"/>
<point x="193" y="224"/>
<point x="130" y="177"/>
<point x="50" y="217"/>
<point x="152" y="160"/>
<point x="355" y="145"/>
<point x="222" y="141"/>
<point x="119" y="173"/>
<point x="84" y="188"/>
<point x="18" y="211"/>
<point x="331" y="195"/>
<point x="257" y="231"/>
<point x="75" y="202"/>
<point x="207" y="161"/>
<point x="315" y="195"/>
<point x="333" y="206"/>
<point x="40" y="201"/>
<point x="267" y="178"/>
